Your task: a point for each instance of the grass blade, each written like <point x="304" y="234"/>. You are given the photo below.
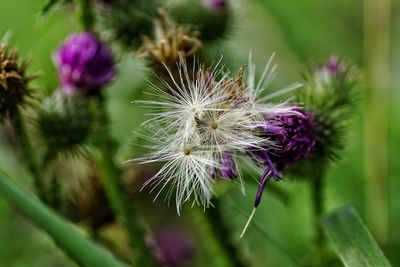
<point x="79" y="248"/>
<point x="353" y="242"/>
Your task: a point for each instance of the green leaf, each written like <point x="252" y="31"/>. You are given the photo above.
<point x="82" y="250"/>
<point x="353" y="242"/>
<point x="48" y="6"/>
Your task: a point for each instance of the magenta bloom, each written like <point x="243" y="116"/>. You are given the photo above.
<point x="333" y="66"/>
<point x="217" y="5"/>
<point x="293" y="134"/>
<point x="296" y="140"/>
<point x="85" y="64"/>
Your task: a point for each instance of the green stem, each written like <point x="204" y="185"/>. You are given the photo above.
<point x="117" y="196"/>
<point x="317" y="192"/>
<point x="222" y="234"/>
<point x="320" y="254"/>
<point x="25" y="148"/>
<point x="85" y="14"/>
<point x="79" y="248"/>
<point x="377" y="57"/>
<point x="54" y="197"/>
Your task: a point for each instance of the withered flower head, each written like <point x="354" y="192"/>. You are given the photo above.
<point x="170" y="41"/>
<point x="13" y="82"/>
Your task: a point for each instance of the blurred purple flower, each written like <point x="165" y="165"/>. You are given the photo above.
<point x="217" y="5"/>
<point x="171" y="247"/>
<point x="228" y="168"/>
<point x="85" y="64"/>
<point x="333" y="66"/>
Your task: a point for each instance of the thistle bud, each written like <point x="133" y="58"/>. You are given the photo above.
<point x="128" y="21"/>
<point x="66" y="123"/>
<point x="13" y="83"/>
<point x="332" y="103"/>
<point x="85" y="64"/>
<point x="217" y="5"/>
<point x="212" y="18"/>
<point x="330" y="95"/>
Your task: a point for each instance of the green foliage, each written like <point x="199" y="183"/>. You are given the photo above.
<point x="354" y="244"/>
<point x="50" y="4"/>
<point x="79" y="248"/>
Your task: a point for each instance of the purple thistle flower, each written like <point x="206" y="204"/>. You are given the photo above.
<point x="171" y="247"/>
<point x="85" y="64"/>
<point x="228" y="168"/>
<point x="217" y="5"/>
<point x="293" y="135"/>
<point x="296" y="141"/>
<point x="333" y="66"/>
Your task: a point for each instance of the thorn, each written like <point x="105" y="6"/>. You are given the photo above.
<point x="248" y="222"/>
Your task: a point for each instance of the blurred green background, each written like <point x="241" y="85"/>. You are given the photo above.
<point x="300" y="32"/>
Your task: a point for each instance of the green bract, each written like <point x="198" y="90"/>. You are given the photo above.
<point x="65" y="123"/>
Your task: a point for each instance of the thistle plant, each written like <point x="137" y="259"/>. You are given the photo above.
<point x="311" y="140"/>
<point x="204" y="121"/>
<point x="330" y="95"/>
<point x="14" y="95"/>
<point x="200" y="124"/>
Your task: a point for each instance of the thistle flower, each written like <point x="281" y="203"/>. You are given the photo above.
<point x="295" y="141"/>
<point x="85" y="64"/>
<point x="310" y="139"/>
<point x="170" y="42"/>
<point x="13" y="82"/>
<point x="330" y="95"/>
<point x="217" y="5"/>
<point x="200" y="122"/>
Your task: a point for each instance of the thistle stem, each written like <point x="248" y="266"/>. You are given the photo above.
<point x="25" y="150"/>
<point x="118" y="198"/>
<point x="317" y="192"/>
<point x="85" y="14"/>
<point x="222" y="234"/>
